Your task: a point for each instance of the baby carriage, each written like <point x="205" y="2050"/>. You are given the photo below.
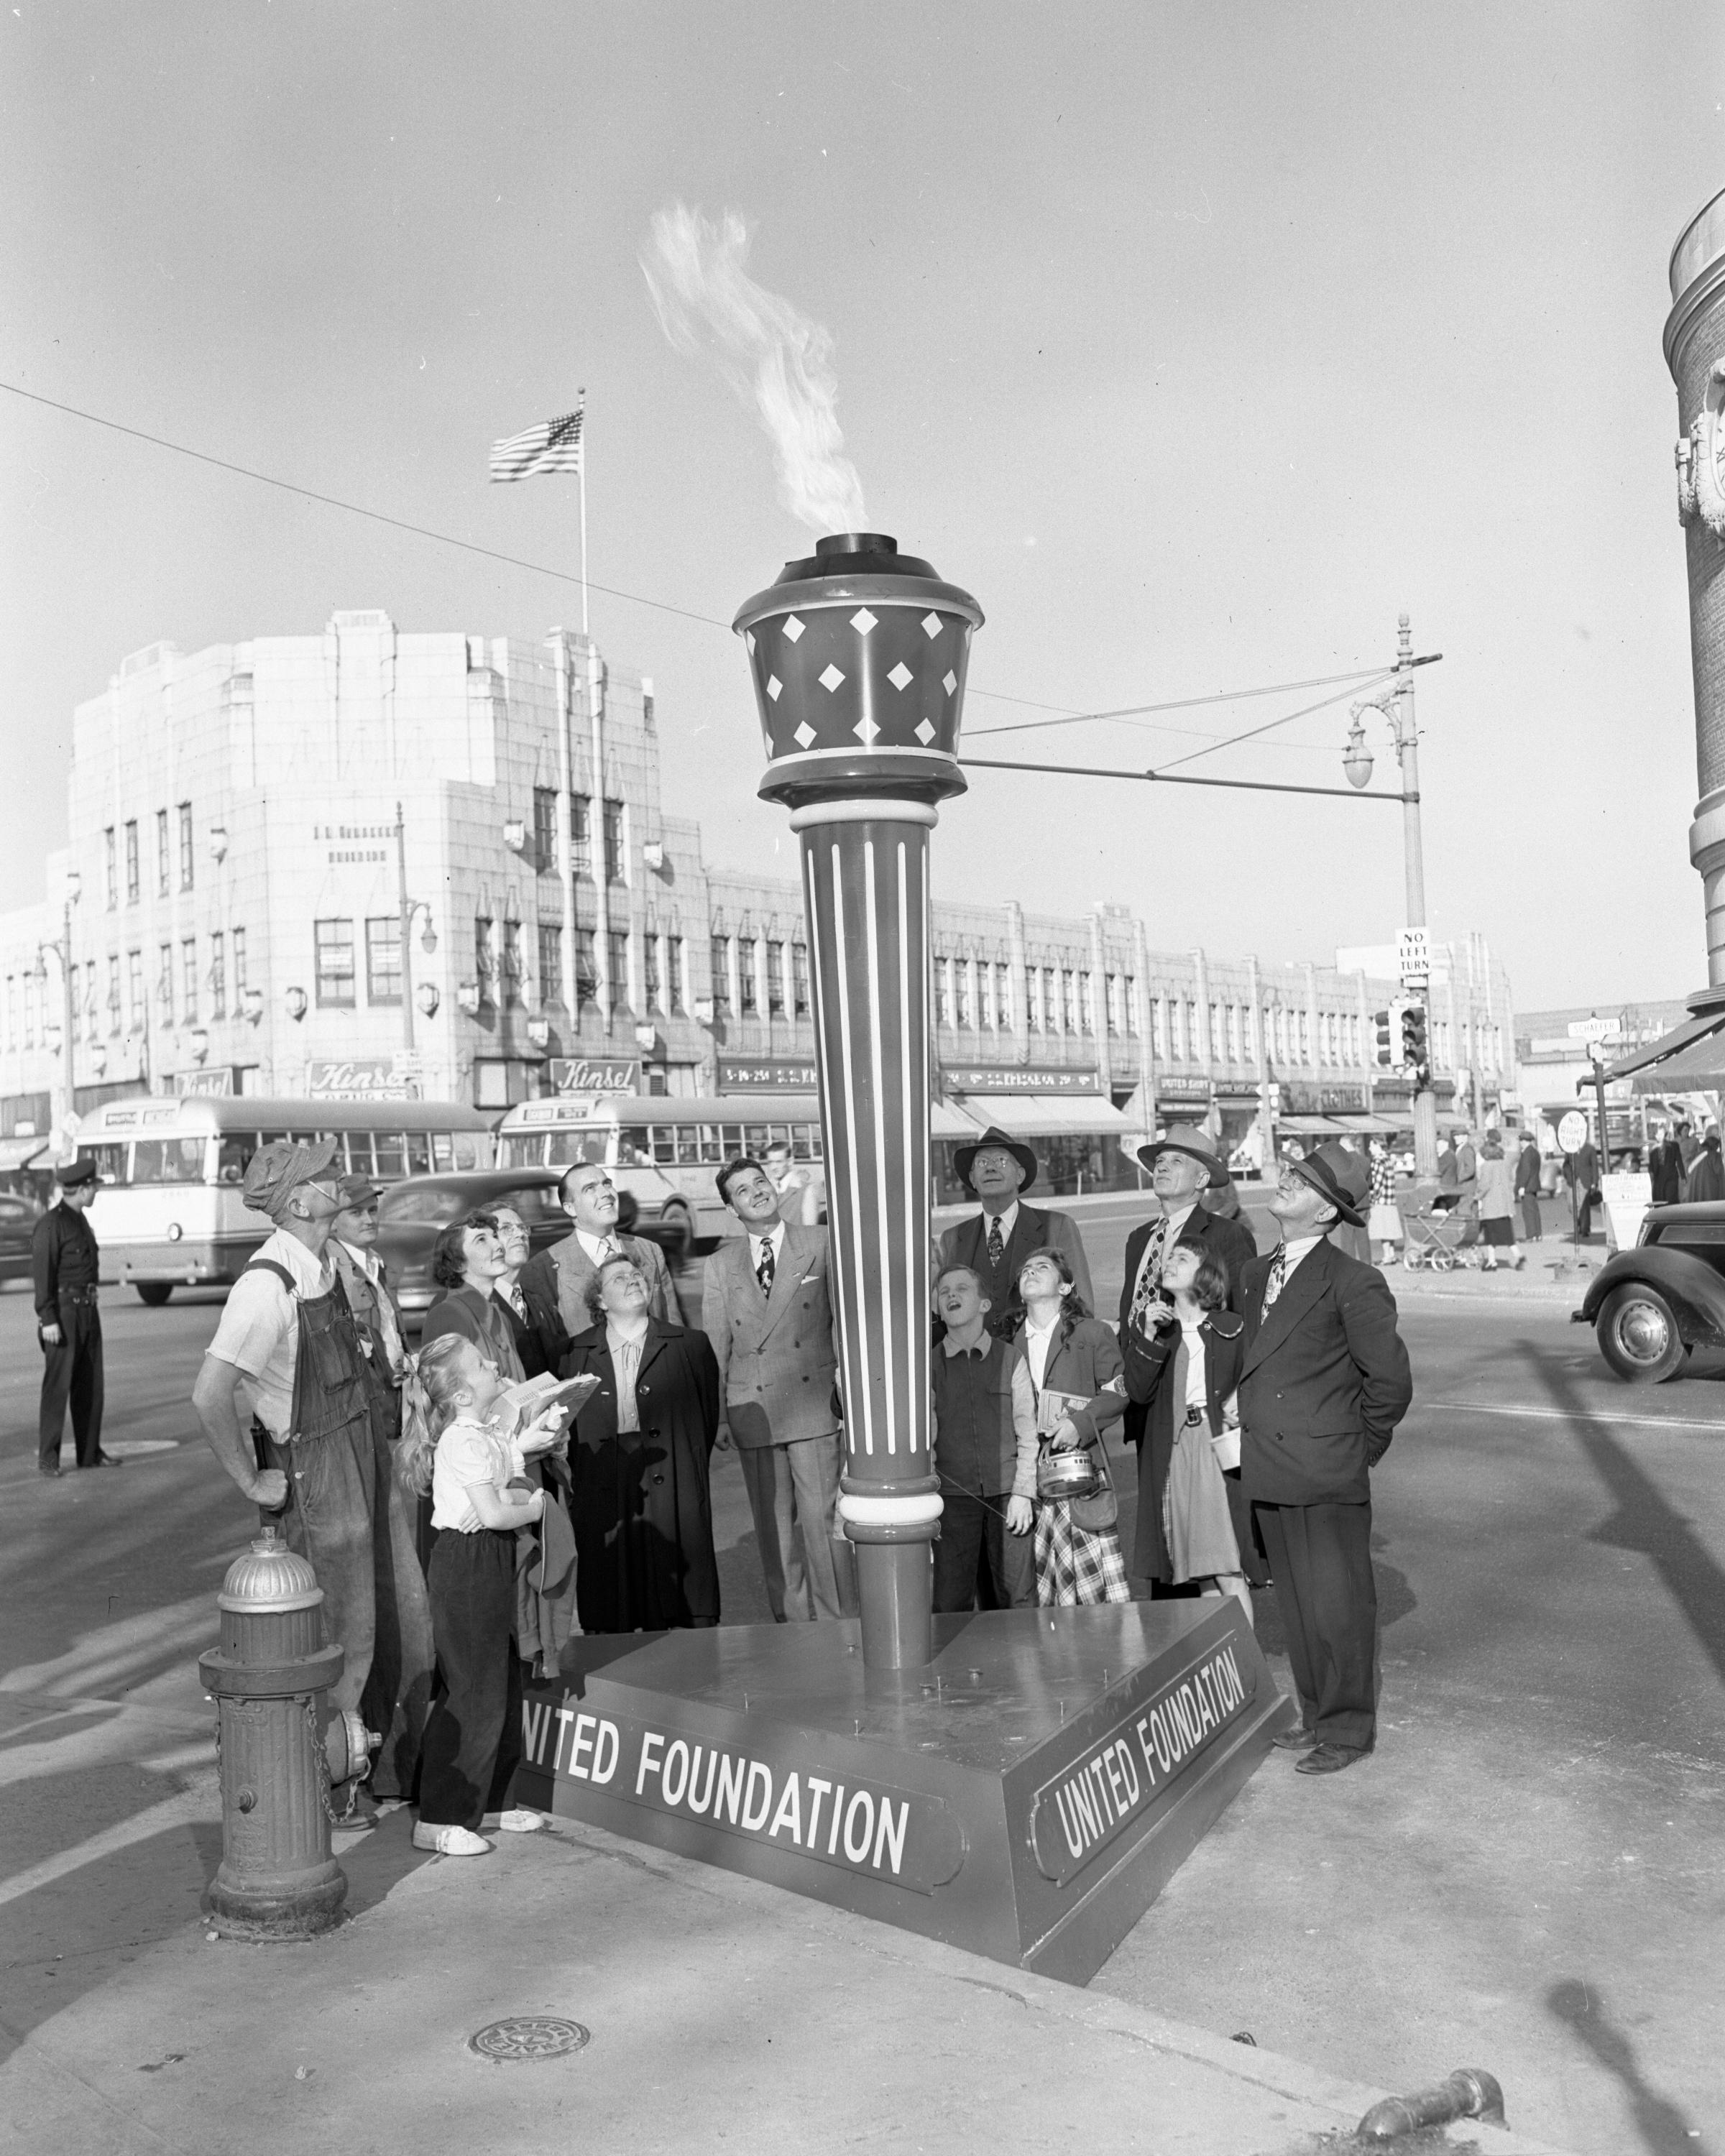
<point x="1435" y="1234"/>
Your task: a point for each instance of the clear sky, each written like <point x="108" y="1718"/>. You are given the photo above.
<point x="1198" y="342"/>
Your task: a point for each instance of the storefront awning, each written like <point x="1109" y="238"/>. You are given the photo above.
<point x="1699" y="1068"/>
<point x="1311" y="1126"/>
<point x="947" y="1121"/>
<point x="19" y="1152"/>
<point x="1041" y="1115"/>
<point x="1375" y="1126"/>
<point x="1695" y="1033"/>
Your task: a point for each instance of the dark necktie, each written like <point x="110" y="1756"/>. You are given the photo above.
<point x="1278" y="1274"/>
<point x="763" y="1271"/>
<point x="996" y="1243"/>
<point x="1150" y="1272"/>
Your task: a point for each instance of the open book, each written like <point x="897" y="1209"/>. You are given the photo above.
<point x="530" y="1399"/>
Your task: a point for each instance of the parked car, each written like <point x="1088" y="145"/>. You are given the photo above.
<point x="18" y="1216"/>
<point x="410" y="1215"/>
<point x="1649" y="1306"/>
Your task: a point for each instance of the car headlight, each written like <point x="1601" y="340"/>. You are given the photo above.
<point x="174" y="1231"/>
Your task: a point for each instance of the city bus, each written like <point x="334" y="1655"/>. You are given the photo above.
<point x="664" y="1153"/>
<point x="168" y="1211"/>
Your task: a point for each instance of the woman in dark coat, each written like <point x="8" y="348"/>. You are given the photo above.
<point x="642" y="1507"/>
<point x="1152" y="1361"/>
<point x="467" y="1262"/>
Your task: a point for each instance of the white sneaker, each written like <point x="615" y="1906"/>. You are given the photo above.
<point x="517" y="1820"/>
<point x="449" y="1841"/>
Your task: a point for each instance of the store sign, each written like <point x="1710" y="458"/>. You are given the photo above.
<point x="1300" y="1099"/>
<point x="355" y="844"/>
<point x="1048" y="1078"/>
<point x="1183" y="1090"/>
<point x="1595" y="1028"/>
<point x="792" y="1074"/>
<point x="598" y="1074"/>
<point x="206" y="1084"/>
<point x="1413" y="957"/>
<point x="358" y="1078"/>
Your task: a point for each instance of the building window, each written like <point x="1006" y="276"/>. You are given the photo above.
<point x="799" y="980"/>
<point x="132" y="862"/>
<point x="135" y="989"/>
<point x="944" y="991"/>
<point x="719" y="957"/>
<point x="775" y="979"/>
<point x="217" y="975"/>
<point x="961" y="991"/>
<point x="29" y="1037"/>
<point x="674" y="972"/>
<point x="185" y="846"/>
<point x="586" y="969"/>
<point x="383" y="958"/>
<point x="164" y="982"/>
<point x="613" y="841"/>
<point x="484" y="965"/>
<point x="650" y="973"/>
<point x="617" y="953"/>
<point x="581" y="834"/>
<point x="1086" y="1016"/>
<point x="238" y="964"/>
<point x="111" y="867"/>
<point x="551" y="963"/>
<point x="511" y="962"/>
<point x="545" y="828"/>
<point x="745" y="998"/>
<point x="72" y="999"/>
<point x="162" y="862"/>
<point x="188" y="980"/>
<point x="113" y="993"/>
<point x="334" y="944"/>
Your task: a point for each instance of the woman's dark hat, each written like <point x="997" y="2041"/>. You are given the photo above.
<point x="1339" y="1176"/>
<point x="1196" y="1145"/>
<point x="964" y="1155"/>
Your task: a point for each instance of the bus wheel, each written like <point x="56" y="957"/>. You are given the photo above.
<point x="679" y="1231"/>
<point x="154" y="1292"/>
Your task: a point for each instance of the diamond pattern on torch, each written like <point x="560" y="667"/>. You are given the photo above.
<point x="873" y="674"/>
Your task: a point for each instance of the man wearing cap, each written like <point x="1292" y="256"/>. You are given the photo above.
<point x="1324" y="1383"/>
<point x="289" y="1342"/>
<point x="995" y="1242"/>
<point x="63" y="1266"/>
<point x="1183" y="1164"/>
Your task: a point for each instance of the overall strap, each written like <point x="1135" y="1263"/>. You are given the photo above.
<point x="272" y="1266"/>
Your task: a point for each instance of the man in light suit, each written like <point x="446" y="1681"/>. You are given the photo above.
<point x="994" y="1242"/>
<point x="1324" y="1383"/>
<point x="554" y="1285"/>
<point x="767" y="1309"/>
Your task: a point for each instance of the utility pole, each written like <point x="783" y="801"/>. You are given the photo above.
<point x="407" y="910"/>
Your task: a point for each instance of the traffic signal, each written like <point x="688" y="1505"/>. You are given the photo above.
<point x="1384" y="1020"/>
<point x="1416" y="1052"/>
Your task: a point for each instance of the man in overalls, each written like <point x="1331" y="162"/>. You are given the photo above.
<point x="316" y="1446"/>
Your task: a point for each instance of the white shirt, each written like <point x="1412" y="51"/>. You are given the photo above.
<point x="1037" y="1343"/>
<point x="259" y="1330"/>
<point x="599" y="1248"/>
<point x="772" y="1240"/>
<point x="1008" y="1219"/>
<point x="1176" y="1228"/>
<point x="1294" y="1251"/>
<point x="371" y="1266"/>
<point x="468" y="1453"/>
<point x="1196" y="1388"/>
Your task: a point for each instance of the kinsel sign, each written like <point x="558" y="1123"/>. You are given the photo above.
<point x="1094" y="1801"/>
<point x="906" y="1837"/>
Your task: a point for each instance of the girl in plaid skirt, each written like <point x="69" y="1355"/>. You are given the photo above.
<point x="1076" y="1366"/>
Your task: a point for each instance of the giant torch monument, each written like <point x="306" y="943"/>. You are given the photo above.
<point x="1019" y="1782"/>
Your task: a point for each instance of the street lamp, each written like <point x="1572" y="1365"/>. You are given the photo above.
<point x="428" y="940"/>
<point x="1395" y="700"/>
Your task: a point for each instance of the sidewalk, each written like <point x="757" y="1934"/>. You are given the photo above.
<point x="1554" y="1273"/>
<point x="720" y="2011"/>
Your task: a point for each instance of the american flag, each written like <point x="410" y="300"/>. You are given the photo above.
<point x="555" y="446"/>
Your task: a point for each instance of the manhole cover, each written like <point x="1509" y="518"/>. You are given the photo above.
<point x="528" y="2037"/>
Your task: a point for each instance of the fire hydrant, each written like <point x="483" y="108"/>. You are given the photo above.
<point x="279" y="1878"/>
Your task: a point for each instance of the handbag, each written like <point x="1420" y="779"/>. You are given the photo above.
<point x="1101" y="1508"/>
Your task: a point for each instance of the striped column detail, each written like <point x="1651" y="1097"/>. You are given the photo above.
<point x="866" y="886"/>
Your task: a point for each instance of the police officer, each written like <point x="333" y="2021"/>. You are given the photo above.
<point x="62" y="1258"/>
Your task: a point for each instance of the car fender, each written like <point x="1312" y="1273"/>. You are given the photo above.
<point x="1695" y="1291"/>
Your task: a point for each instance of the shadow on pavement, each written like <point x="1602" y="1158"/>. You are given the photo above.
<point x="1663" y="2128"/>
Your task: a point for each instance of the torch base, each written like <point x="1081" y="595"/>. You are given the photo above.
<point x="1026" y="1796"/>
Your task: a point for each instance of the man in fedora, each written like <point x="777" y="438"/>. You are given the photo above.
<point x="1183" y="1165"/>
<point x="995" y="1241"/>
<point x="1324" y="1383"/>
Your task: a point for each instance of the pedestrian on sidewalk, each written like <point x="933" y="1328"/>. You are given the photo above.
<point x="766" y="1307"/>
<point x="1582" y="1169"/>
<point x="1527" y="1186"/>
<point x="1665" y="1169"/>
<point x="1324" y="1381"/>
<point x="1497" y="1201"/>
<point x="985" y="1450"/>
<point x="1076" y="1369"/>
<point x="1706" y="1177"/>
<point x="63" y="1265"/>
<point x="1384" y="1222"/>
<point x="452" y="1449"/>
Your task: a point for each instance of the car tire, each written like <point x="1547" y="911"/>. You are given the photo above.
<point x="1638" y="1335"/>
<point x="154" y="1292"/>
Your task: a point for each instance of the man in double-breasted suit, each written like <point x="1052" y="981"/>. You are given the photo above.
<point x="767" y="1309"/>
<point x="1182" y="1166"/>
<point x="995" y="1241"/>
<point x="1324" y="1381"/>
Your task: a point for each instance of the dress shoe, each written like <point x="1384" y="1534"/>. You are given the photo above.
<point x="1327" y="1759"/>
<point x="102" y="1459"/>
<point x="52" y="1473"/>
<point x="1296" y="1740"/>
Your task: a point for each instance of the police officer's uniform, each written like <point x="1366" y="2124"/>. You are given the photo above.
<point x="63" y="1262"/>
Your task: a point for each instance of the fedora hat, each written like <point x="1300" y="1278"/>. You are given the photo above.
<point x="964" y="1155"/>
<point x="1339" y="1176"/>
<point x="1196" y="1145"/>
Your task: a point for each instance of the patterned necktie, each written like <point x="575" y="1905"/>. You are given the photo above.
<point x="1150" y="1272"/>
<point x="1278" y="1273"/>
<point x="996" y="1243"/>
<point x="517" y="1300"/>
<point x="763" y="1271"/>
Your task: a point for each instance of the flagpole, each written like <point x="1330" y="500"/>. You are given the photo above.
<point x="581" y="474"/>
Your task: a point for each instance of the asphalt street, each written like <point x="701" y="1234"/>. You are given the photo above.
<point x="1525" y="1877"/>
